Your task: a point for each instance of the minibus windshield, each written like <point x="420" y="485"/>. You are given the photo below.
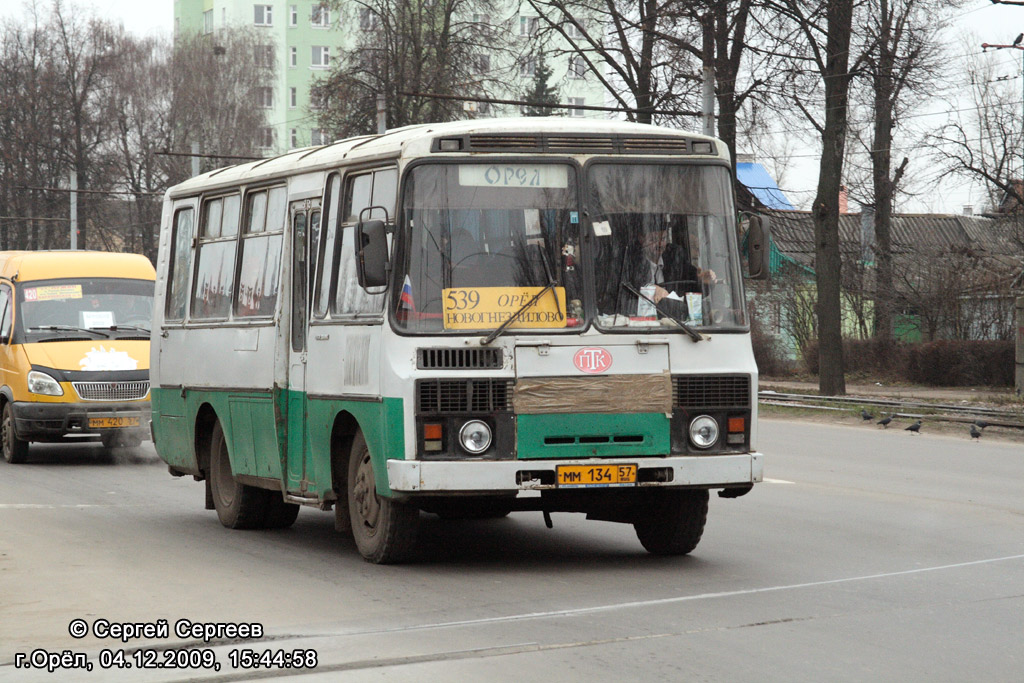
<point x="117" y="306"/>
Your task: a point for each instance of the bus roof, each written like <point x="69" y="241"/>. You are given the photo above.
<point x="47" y="265"/>
<point x="416" y="141"/>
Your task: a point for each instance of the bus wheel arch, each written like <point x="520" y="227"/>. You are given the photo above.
<point x="206" y="418"/>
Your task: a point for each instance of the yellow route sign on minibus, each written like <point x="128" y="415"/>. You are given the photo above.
<point x="475" y="308"/>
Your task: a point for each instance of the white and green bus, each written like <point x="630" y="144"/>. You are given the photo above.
<point x="464" y="319"/>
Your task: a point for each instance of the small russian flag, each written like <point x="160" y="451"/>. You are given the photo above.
<point x="407" y="301"/>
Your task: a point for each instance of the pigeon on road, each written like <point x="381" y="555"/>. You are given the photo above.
<point x="885" y="422"/>
<point x="975" y="434"/>
<point x="865" y="415"/>
<point x="914" y="428"/>
<point x="981" y="423"/>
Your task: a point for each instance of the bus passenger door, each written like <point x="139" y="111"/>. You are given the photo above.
<point x="305" y="218"/>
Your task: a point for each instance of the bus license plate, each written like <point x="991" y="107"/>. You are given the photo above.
<point x="113" y="422"/>
<point x="581" y="476"/>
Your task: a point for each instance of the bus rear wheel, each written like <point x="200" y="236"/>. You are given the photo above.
<point x="238" y="506"/>
<point x="15" y="450"/>
<point x="384" y="529"/>
<point x="672" y="520"/>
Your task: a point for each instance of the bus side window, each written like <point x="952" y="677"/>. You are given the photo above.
<point x="181" y="265"/>
<point x="215" y="258"/>
<point x="376" y="188"/>
<point x="5" y="312"/>
<point x="259" y="275"/>
<point x="323" y="263"/>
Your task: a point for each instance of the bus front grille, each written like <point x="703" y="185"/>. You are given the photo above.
<point x="444" y="396"/>
<point x="459" y="359"/>
<point x="111" y="391"/>
<point x="703" y="392"/>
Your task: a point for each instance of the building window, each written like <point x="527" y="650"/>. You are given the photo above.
<point x="528" y="67"/>
<point x="208" y="21"/>
<point x="265" y="138"/>
<point x="576" y="102"/>
<point x="265" y="98"/>
<point x="264" y="56"/>
<point x="321" y="57"/>
<point x="293" y="15"/>
<point x="321" y="17"/>
<point x="528" y="26"/>
<point x="574" y="30"/>
<point x="295" y="137"/>
<point x="263" y="15"/>
<point x="577" y="67"/>
<point x="481" y="64"/>
<point x="293" y="98"/>
<point x="293" y="58"/>
<point x="367" y="19"/>
<point x="484" y="19"/>
<point x="317" y="137"/>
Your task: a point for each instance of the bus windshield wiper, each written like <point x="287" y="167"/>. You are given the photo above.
<point x="694" y="334"/>
<point x="68" y="328"/>
<point x="549" y="286"/>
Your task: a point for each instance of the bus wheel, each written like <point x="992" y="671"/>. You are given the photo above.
<point x="280" y="515"/>
<point x="238" y="506"/>
<point x="15" y="450"/>
<point x="384" y="529"/>
<point x="672" y="520"/>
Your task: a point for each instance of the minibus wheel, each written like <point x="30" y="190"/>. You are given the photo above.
<point x="15" y="450"/>
<point x="384" y="529"/>
<point x="671" y="521"/>
<point x="238" y="506"/>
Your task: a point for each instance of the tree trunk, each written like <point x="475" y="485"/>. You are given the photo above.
<point x="831" y="381"/>
<point x="881" y="169"/>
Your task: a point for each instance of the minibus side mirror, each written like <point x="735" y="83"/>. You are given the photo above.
<point x="758" y="247"/>
<point x="372" y="254"/>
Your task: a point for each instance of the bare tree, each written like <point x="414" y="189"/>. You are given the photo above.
<point x="406" y="51"/>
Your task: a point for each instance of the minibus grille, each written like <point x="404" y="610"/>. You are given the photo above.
<point x="459" y="359"/>
<point x="710" y="391"/>
<point x="111" y="391"/>
<point x="579" y="143"/>
<point x="462" y="395"/>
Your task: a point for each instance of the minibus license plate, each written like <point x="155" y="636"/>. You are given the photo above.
<point x="113" y="422"/>
<point x="580" y="476"/>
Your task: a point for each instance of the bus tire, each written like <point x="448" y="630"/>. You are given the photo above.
<point x="280" y="515"/>
<point x="672" y="520"/>
<point x="238" y="506"/>
<point x="15" y="450"/>
<point x="384" y="529"/>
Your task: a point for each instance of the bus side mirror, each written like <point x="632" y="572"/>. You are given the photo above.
<point x="372" y="254"/>
<point x="758" y="247"/>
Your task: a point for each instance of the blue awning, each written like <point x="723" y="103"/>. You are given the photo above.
<point x="756" y="179"/>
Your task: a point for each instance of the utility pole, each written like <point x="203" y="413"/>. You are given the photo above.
<point x="382" y="115"/>
<point x="74" y="210"/>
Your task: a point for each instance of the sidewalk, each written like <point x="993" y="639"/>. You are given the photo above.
<point x="897" y="391"/>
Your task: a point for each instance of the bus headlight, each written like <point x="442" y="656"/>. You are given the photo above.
<point x="41" y="383"/>
<point x="475" y="437"/>
<point x="704" y="431"/>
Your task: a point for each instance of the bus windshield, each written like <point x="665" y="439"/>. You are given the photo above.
<point x="482" y="240"/>
<point x="665" y="247"/>
<point x="72" y="306"/>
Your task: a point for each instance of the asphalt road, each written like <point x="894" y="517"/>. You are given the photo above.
<point x="867" y="555"/>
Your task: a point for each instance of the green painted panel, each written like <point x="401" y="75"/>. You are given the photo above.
<point x="172" y="431"/>
<point x="591" y="435"/>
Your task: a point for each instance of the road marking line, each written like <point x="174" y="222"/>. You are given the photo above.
<point x="777" y="481"/>
<point x="688" y="598"/>
<point x="36" y="506"/>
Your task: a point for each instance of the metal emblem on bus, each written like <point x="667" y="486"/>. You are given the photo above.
<point x="592" y="360"/>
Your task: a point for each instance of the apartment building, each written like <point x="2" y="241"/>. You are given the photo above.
<point x="303" y="37"/>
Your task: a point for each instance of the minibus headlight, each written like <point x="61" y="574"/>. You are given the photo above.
<point x="475" y="437"/>
<point x="704" y="431"/>
<point x="41" y="383"/>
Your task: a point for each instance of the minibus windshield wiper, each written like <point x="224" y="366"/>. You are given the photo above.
<point x="117" y="328"/>
<point x="68" y="328"/>
<point x="694" y="334"/>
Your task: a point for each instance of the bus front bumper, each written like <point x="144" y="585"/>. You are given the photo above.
<point x="708" y="471"/>
<point x="54" y="421"/>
